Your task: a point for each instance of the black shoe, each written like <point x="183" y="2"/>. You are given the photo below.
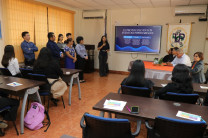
<point x="54" y="101"/>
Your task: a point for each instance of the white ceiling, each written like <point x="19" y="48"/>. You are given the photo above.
<point x="126" y="4"/>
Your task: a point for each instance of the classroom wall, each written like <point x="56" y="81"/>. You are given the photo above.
<point x="92" y="30"/>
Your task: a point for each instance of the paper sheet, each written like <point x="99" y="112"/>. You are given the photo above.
<point x="188" y="116"/>
<point x="203" y="87"/>
<point x="114" y="104"/>
<point x="14" y="84"/>
<point x="163" y="85"/>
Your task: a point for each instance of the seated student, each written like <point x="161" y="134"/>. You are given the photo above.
<point x="169" y="57"/>
<point x="197" y="68"/>
<point x="28" y="49"/>
<point x="9" y="61"/>
<point x="14" y="104"/>
<point x="48" y="66"/>
<point x="181" y="58"/>
<point x="71" y="56"/>
<point x="181" y="82"/>
<point x="137" y="76"/>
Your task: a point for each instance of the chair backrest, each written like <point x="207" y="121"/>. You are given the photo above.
<point x="5" y="71"/>
<point x="181" y="97"/>
<point x="25" y="72"/>
<point x="165" y="127"/>
<point x="136" y="91"/>
<point x="100" y="127"/>
<point x="40" y="77"/>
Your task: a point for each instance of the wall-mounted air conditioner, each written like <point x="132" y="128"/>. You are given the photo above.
<point x="93" y="14"/>
<point x="191" y="10"/>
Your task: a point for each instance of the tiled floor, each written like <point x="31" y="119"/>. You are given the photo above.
<point x="67" y="121"/>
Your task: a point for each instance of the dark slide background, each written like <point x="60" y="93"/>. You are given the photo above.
<point x="145" y="39"/>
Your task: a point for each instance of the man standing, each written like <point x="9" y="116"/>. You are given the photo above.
<point x="68" y="35"/>
<point x="28" y="49"/>
<point x="181" y="58"/>
<point x="55" y="50"/>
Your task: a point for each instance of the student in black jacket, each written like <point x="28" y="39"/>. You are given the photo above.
<point x="47" y="65"/>
<point x="137" y="76"/>
<point x="181" y="82"/>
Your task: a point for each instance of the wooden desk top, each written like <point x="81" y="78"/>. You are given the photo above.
<point x="196" y="86"/>
<point x="150" y="108"/>
<point x="72" y="71"/>
<point x="27" y="83"/>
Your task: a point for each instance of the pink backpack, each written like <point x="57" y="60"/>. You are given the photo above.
<point x="35" y="116"/>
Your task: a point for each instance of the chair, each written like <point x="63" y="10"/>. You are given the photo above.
<point x="45" y="90"/>
<point x="165" y="127"/>
<point x="136" y="91"/>
<point x="180" y="97"/>
<point x="7" y="108"/>
<point x="100" y="127"/>
<point x="25" y="72"/>
<point x="5" y="71"/>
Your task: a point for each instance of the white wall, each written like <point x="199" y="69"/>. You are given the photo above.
<point x="92" y="30"/>
<point x="2" y="29"/>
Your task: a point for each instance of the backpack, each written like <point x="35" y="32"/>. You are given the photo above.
<point x="35" y="116"/>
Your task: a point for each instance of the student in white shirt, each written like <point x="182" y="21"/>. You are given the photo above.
<point x="181" y="58"/>
<point x="9" y="61"/>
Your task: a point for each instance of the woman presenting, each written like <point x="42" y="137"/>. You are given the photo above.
<point x="103" y="46"/>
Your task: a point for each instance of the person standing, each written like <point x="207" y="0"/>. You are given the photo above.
<point x="197" y="68"/>
<point x="103" y="47"/>
<point x="71" y="56"/>
<point x="55" y="50"/>
<point x="81" y="56"/>
<point x="28" y="49"/>
<point x="69" y="35"/>
<point x="60" y="42"/>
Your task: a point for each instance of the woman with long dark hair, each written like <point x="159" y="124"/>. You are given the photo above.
<point x="103" y="47"/>
<point x="181" y="82"/>
<point x="60" y="42"/>
<point x="9" y="61"/>
<point x="45" y="64"/>
<point x="137" y="76"/>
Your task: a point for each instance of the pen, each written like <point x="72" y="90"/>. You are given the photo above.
<point x="128" y="109"/>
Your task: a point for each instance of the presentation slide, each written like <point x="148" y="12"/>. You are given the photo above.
<point x="143" y="39"/>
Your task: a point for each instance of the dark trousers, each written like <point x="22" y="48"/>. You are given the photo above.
<point x="13" y="103"/>
<point x="29" y="62"/>
<point x="80" y="65"/>
<point x="103" y="64"/>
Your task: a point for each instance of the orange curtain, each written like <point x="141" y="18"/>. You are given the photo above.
<point x="40" y="27"/>
<point x="60" y="22"/>
<point x="26" y="15"/>
<point x="18" y="17"/>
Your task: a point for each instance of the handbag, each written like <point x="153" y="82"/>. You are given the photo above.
<point x="58" y="87"/>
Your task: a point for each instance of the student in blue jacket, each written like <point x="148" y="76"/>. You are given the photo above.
<point x="29" y="49"/>
<point x="55" y="50"/>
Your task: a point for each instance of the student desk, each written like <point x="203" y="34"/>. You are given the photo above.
<point x="28" y="87"/>
<point x="196" y="86"/>
<point x="150" y="108"/>
<point x="69" y="76"/>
